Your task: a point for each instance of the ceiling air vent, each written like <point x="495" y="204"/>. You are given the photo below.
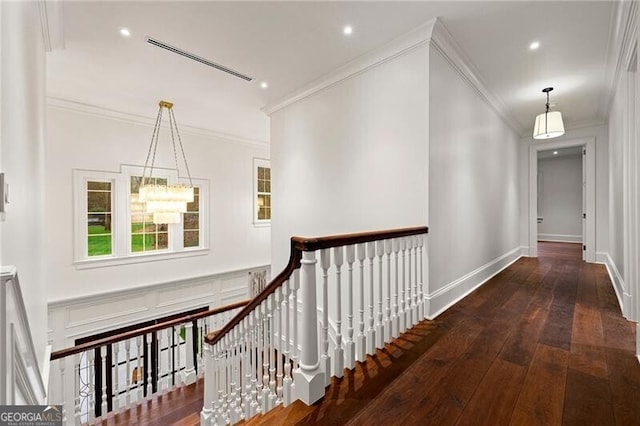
<point x="197" y="58"/>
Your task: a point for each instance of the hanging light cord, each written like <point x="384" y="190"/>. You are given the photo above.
<point x="546" y="115"/>
<point x="153" y="147"/>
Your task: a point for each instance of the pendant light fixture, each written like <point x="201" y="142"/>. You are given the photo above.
<point x="166" y="202"/>
<point x="548" y="124"/>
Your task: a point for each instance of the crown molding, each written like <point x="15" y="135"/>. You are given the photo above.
<point x="432" y="33"/>
<point x="444" y="44"/>
<point x="96" y="111"/>
<point x="622" y="40"/>
<point x="51" y="22"/>
<point x="419" y="36"/>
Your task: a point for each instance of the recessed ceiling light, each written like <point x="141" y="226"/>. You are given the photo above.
<point x="555" y="152"/>
<point x="534" y="45"/>
<point x="264" y="85"/>
<point x="124" y="32"/>
<point x="347" y="30"/>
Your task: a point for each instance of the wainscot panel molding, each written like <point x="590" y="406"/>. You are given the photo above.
<point x="93" y="110"/>
<point x="560" y="238"/>
<point x="88" y="315"/>
<point x="445" y="297"/>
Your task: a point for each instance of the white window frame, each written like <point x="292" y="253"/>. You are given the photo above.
<point x="121" y="253"/>
<point x="260" y="162"/>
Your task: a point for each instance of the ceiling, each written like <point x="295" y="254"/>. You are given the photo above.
<point x="289" y="44"/>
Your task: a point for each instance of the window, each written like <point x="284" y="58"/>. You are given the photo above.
<point x="262" y="191"/>
<point x="145" y="235"/>
<point x="191" y="221"/>
<point x="99" y="223"/>
<point x="111" y="226"/>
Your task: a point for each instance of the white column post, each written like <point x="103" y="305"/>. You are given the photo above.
<point x="350" y="349"/>
<point x="190" y="370"/>
<point x="209" y="379"/>
<point x="309" y="377"/>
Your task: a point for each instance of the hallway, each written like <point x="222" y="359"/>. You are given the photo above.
<point x="542" y="343"/>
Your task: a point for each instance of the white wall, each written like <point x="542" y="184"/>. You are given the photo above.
<point x="601" y="136"/>
<point x="561" y="196"/>
<point x="22" y="157"/>
<point x="352" y="157"/>
<point x="90" y="141"/>
<point x="473" y="182"/>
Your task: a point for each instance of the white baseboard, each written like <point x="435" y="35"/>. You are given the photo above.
<point x="601" y="257"/>
<point x="524" y="251"/>
<point x="616" y="280"/>
<point x="445" y="297"/>
<point x="560" y="238"/>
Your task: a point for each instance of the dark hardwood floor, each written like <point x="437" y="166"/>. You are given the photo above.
<point x="542" y="343"/>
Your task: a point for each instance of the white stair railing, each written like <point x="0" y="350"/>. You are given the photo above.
<point x="93" y="379"/>
<point x="286" y="343"/>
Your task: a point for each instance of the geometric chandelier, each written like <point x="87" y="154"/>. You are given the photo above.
<point x="166" y="202"/>
<point x="548" y="124"/>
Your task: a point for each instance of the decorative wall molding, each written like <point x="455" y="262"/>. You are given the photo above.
<point x="445" y="297"/>
<point x="71" y="319"/>
<point x="444" y="44"/>
<point x="417" y="37"/>
<point x="125" y="117"/>
<point x="622" y="39"/>
<point x="560" y="238"/>
<point x="52" y="23"/>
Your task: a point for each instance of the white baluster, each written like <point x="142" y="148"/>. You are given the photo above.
<point x="265" y="356"/>
<point x="361" y="347"/>
<point x="139" y="370"/>
<point x="239" y="353"/>
<point x="295" y="354"/>
<point x="286" y="382"/>
<point x="61" y="367"/>
<point x="379" y="312"/>
<point x="91" y="389"/>
<point x="103" y="405"/>
<point x="280" y="331"/>
<point x="325" y="360"/>
<point x="258" y="369"/>
<point x="371" y="332"/>
<point x="272" y="351"/>
<point x="309" y="377"/>
<point x="127" y="384"/>
<point x="214" y="359"/>
<point x="209" y="386"/>
<point x="395" y="332"/>
<point x="233" y="385"/>
<point x="350" y="350"/>
<point x="149" y="368"/>
<point x="402" y="314"/>
<point x="414" y="302"/>
<point x="387" y="312"/>
<point x="190" y="370"/>
<point x="409" y="306"/>
<point x="338" y="353"/>
<point x="247" y="366"/>
<point x="115" y="399"/>
<point x="77" y="407"/>
<point x="422" y="313"/>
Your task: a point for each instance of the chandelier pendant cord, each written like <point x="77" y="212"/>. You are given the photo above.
<point x="152" y="147"/>
<point x="186" y="165"/>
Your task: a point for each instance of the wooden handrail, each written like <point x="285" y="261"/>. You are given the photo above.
<point x="141" y="331"/>
<point x="299" y="245"/>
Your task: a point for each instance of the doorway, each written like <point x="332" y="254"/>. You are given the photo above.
<point x="587" y="146"/>
<point x="561" y="186"/>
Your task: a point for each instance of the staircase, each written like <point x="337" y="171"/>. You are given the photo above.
<point x="288" y="342"/>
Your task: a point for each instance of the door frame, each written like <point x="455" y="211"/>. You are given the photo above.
<point x="589" y="237"/>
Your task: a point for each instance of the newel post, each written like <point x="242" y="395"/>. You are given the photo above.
<point x="309" y="377"/>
